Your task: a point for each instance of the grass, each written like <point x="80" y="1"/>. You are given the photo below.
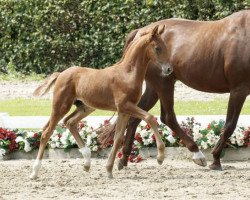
<point x="42" y="107"/>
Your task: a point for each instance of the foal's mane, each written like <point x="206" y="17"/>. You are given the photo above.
<point x="144" y="39"/>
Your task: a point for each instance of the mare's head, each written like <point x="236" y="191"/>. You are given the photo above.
<point x="157" y="50"/>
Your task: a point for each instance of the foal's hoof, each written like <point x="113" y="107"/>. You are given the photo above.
<point x="120" y="165"/>
<point x="201" y="161"/>
<point x="110" y="175"/>
<point x="159" y="161"/>
<point x="86" y="168"/>
<point x="215" y="167"/>
<point x="33" y="176"/>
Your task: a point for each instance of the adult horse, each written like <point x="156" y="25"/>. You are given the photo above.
<point x="211" y="56"/>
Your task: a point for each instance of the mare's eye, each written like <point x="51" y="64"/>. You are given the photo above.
<point x="158" y="50"/>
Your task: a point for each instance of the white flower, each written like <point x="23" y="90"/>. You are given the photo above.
<point x="53" y="145"/>
<point x="19" y="139"/>
<point x="94" y="135"/>
<point x="72" y="139"/>
<point x="144" y="133"/>
<point x="27" y="146"/>
<point x="171" y="139"/>
<point x="212" y="139"/>
<point x="30" y="134"/>
<point x="89" y="141"/>
<point x="145" y="142"/>
<point x="204" y="145"/>
<point x="95" y="148"/>
<point x="2" y="152"/>
<point x="58" y="144"/>
<point x="196" y="133"/>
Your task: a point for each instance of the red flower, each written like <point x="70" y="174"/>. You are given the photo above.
<point x="182" y="142"/>
<point x="119" y="154"/>
<point x="209" y="126"/>
<point x="81" y="125"/>
<point x="106" y="122"/>
<point x="1" y="136"/>
<point x="173" y="134"/>
<point x="111" y="142"/>
<point x="35" y="135"/>
<point x="148" y="127"/>
<point x="133" y="148"/>
<point x="153" y="137"/>
<point x="138" y="137"/>
<point x="130" y="158"/>
<point x="138" y="159"/>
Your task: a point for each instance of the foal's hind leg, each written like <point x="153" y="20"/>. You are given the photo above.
<point x="118" y="139"/>
<point x="236" y="101"/>
<point x="60" y="108"/>
<point x="71" y="123"/>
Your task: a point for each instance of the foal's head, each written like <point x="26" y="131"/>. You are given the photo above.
<point x="157" y="51"/>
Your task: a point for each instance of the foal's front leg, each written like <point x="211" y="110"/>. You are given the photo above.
<point x="135" y="111"/>
<point x="118" y="139"/>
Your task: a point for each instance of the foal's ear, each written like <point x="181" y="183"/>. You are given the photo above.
<point x="154" y="32"/>
<point x="160" y="30"/>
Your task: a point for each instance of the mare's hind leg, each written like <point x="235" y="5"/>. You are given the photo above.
<point x="118" y="139"/>
<point x="71" y="123"/>
<point x="236" y="101"/>
<point x="148" y="100"/>
<point x="60" y="108"/>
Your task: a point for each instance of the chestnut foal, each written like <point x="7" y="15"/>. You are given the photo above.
<point x="116" y="88"/>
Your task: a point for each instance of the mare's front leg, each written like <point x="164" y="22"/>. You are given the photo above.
<point x="236" y="101"/>
<point x="148" y="100"/>
<point x="121" y="124"/>
<point x="168" y="117"/>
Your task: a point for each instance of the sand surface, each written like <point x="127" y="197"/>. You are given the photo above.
<point x="175" y="179"/>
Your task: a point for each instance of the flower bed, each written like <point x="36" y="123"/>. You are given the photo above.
<point x="205" y="137"/>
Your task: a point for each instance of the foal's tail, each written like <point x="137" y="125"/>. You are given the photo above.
<point x="44" y="88"/>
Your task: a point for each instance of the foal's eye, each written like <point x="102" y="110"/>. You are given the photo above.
<point x="158" y="50"/>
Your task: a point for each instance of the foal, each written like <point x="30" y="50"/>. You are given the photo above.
<point x="116" y="88"/>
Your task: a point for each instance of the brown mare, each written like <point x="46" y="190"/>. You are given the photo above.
<point x="207" y="56"/>
<point x="116" y="88"/>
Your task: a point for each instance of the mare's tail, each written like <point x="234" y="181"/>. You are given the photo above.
<point x="44" y="88"/>
<point x="106" y="135"/>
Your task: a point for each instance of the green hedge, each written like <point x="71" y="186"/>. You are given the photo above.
<point x="42" y="36"/>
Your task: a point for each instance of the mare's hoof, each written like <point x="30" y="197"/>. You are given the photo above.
<point x="86" y="168"/>
<point x="200" y="161"/>
<point x="215" y="167"/>
<point x="120" y="165"/>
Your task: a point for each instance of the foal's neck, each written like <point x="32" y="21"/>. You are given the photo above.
<point x="135" y="60"/>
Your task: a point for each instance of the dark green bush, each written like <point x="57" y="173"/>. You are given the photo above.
<point x="42" y="36"/>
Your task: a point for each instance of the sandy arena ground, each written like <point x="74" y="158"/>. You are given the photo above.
<point x="175" y="179"/>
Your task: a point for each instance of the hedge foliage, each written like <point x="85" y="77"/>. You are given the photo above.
<point x="43" y="36"/>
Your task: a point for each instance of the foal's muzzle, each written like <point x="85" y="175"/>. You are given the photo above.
<point x="166" y="69"/>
